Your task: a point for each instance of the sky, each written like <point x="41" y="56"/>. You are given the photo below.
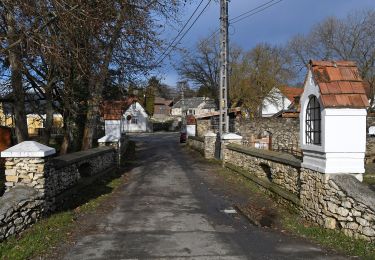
<point x="275" y="25"/>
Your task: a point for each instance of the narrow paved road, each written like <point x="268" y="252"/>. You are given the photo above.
<point x="168" y="212"/>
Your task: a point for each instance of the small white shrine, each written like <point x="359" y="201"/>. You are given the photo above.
<point x="333" y="118"/>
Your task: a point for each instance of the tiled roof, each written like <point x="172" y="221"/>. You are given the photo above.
<point x="340" y="84"/>
<point x="195" y="102"/>
<point x="291" y="92"/>
<point x="113" y="110"/>
<point x="162" y="101"/>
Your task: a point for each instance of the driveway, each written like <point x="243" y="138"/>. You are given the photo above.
<point x="168" y="211"/>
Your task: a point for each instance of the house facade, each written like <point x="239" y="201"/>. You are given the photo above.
<point x="162" y="108"/>
<point x="124" y="116"/>
<point x="280" y="100"/>
<point x="135" y="119"/>
<point x="193" y="106"/>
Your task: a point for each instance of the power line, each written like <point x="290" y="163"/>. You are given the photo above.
<point x="182" y="29"/>
<point x="196" y="19"/>
<point x="251" y="14"/>
<point x="252" y="10"/>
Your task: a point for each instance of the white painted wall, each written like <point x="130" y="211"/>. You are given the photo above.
<point x="112" y="128"/>
<point x="343" y="138"/>
<point x="191" y="130"/>
<point x="270" y="108"/>
<point x="138" y="112"/>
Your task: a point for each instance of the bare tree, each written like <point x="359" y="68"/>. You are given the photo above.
<point x="350" y="38"/>
<point x="254" y="76"/>
<point x="201" y="66"/>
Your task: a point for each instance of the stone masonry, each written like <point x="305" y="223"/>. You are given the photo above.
<point x="36" y="182"/>
<point x="332" y="201"/>
<point x="19" y="208"/>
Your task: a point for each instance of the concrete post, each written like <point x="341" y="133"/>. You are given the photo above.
<point x="209" y="145"/>
<point x="229" y="138"/>
<point x="25" y="165"/>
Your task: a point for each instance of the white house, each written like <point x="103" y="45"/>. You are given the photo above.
<point x="279" y="99"/>
<point x="123" y="116"/>
<point x="193" y="106"/>
<point x="333" y="118"/>
<point x="135" y="119"/>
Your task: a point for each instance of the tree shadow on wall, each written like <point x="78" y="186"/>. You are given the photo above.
<point x="93" y="187"/>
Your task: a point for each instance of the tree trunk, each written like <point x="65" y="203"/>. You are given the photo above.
<point x="96" y="86"/>
<point x="49" y="114"/>
<point x="16" y="82"/>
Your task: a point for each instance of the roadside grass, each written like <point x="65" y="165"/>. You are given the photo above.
<point x="292" y="223"/>
<point x="47" y="233"/>
<point x="328" y="238"/>
<point x="369" y="179"/>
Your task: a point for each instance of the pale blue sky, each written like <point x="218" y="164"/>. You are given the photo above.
<point x="275" y="25"/>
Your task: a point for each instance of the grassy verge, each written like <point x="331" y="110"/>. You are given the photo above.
<point x="45" y="235"/>
<point x="329" y="238"/>
<point x="292" y="223"/>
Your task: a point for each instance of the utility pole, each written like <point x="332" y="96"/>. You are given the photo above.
<point x="224" y="53"/>
<point x="182" y="89"/>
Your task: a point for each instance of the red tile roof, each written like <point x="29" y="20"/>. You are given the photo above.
<point x="162" y="101"/>
<point x="113" y="110"/>
<point x="340" y="84"/>
<point x="291" y="92"/>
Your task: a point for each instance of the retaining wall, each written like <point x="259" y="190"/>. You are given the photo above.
<point x="37" y="186"/>
<point x="336" y="201"/>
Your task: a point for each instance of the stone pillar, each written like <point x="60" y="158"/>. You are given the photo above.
<point x="209" y="145"/>
<point x="119" y="143"/>
<point x="229" y="138"/>
<point x="25" y="165"/>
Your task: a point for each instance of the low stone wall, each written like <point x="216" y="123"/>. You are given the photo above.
<point x="284" y="131"/>
<point x="197" y="143"/>
<point x="36" y="186"/>
<point x="19" y="208"/>
<point x="64" y="172"/>
<point x="333" y="201"/>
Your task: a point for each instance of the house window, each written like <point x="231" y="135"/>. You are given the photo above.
<point x="134" y="120"/>
<point x="313" y="122"/>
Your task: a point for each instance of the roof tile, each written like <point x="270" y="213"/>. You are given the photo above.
<point x="340" y="84"/>
<point x="324" y="88"/>
<point x="333" y="73"/>
<point x="345" y="87"/>
<point x="358" y="87"/>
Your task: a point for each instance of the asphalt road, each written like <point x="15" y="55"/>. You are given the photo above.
<point x="168" y="211"/>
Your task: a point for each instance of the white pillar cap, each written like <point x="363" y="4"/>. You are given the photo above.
<point x="210" y="134"/>
<point x="108" y="139"/>
<point x="231" y="136"/>
<point x="28" y="149"/>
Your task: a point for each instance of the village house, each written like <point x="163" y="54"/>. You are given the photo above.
<point x="194" y="106"/>
<point x="280" y="99"/>
<point x="162" y="108"/>
<point x="35" y="121"/>
<point x="125" y="116"/>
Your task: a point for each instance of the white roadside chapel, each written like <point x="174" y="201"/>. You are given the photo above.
<point x="333" y="118"/>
